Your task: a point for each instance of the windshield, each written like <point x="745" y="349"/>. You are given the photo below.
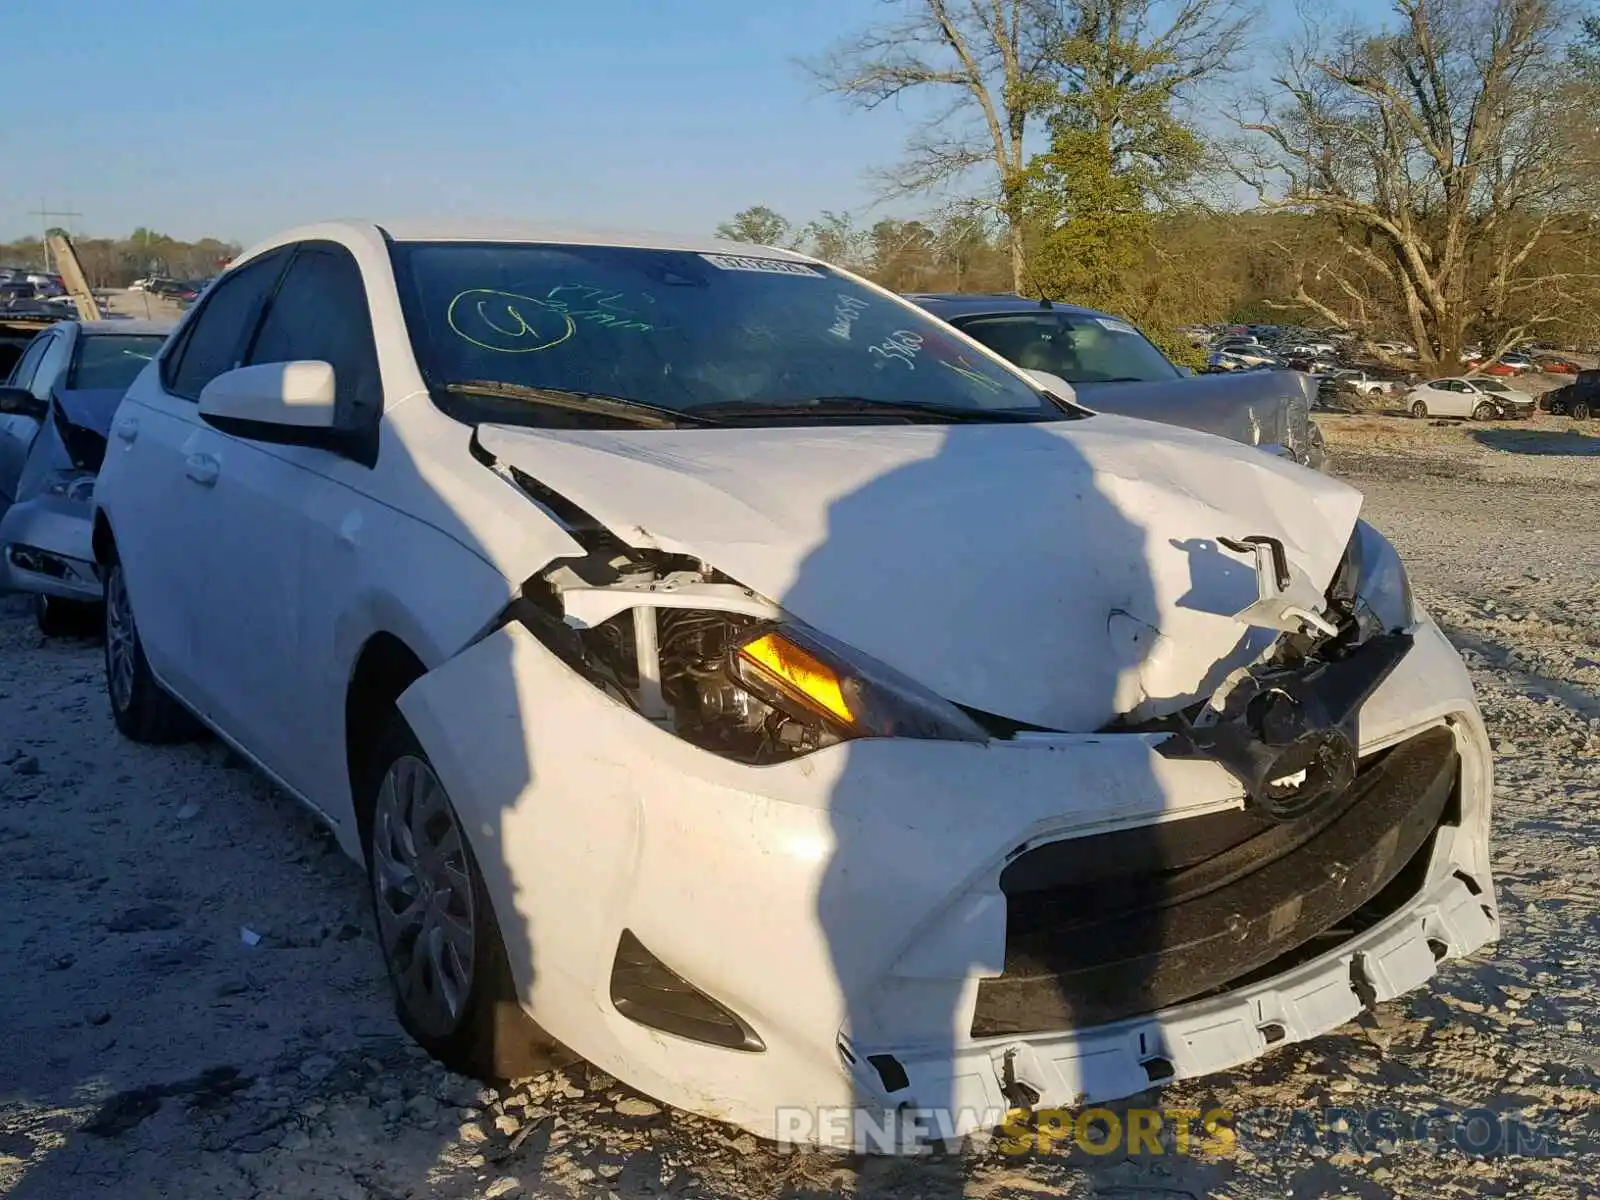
<point x="1076" y="346"/>
<point x="111" y="360"/>
<point x="680" y="331"/>
<point x="1491" y="385"/>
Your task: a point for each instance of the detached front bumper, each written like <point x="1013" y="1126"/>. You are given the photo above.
<point x="46" y="547"/>
<point x="850" y="909"/>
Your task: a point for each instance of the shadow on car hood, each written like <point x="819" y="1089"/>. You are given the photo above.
<point x="1058" y="574"/>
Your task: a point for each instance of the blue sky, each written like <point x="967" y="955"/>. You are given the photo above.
<point x="235" y="119"/>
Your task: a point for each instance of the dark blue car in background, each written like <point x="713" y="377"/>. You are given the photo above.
<point x="1113" y="367"/>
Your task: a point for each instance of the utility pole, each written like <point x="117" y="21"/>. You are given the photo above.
<point x="44" y="213"/>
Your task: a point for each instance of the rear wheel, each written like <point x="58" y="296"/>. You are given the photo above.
<point x="1580" y="410"/>
<point x="1483" y="411"/>
<point x="441" y="944"/>
<point x="1419" y="409"/>
<point x="143" y="710"/>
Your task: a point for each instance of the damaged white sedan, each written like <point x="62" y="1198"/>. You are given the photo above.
<point x="731" y="674"/>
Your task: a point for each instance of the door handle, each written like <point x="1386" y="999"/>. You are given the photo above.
<point x="202" y="468"/>
<point x="127" y="429"/>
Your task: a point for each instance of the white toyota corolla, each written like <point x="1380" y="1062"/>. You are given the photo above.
<point x="731" y="674"/>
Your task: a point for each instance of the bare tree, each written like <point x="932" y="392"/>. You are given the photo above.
<point x="1438" y="156"/>
<point x="989" y="60"/>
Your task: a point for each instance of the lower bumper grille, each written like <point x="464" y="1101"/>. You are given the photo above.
<point x="1141" y="920"/>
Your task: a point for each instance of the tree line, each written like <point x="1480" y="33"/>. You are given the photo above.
<point x="117" y="262"/>
<point x="1429" y="173"/>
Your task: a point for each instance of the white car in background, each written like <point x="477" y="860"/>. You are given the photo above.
<point x="734" y="674"/>
<point x="1478" y="398"/>
<point x="1361" y="382"/>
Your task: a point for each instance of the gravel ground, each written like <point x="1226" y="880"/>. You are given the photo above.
<point x="196" y="1007"/>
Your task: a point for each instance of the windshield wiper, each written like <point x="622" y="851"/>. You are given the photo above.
<point x="635" y="412"/>
<point x="733" y="412"/>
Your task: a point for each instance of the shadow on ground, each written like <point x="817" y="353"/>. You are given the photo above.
<point x="1562" y="443"/>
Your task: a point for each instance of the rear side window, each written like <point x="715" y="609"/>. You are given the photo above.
<point x="212" y="341"/>
<point x="320" y="312"/>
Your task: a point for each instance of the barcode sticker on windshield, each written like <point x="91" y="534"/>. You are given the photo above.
<point x="773" y="266"/>
<point x="1115" y="325"/>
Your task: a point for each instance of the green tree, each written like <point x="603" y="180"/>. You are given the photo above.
<point x="759" y="224"/>
<point x="1121" y="147"/>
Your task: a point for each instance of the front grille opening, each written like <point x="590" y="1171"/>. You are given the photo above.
<point x="1114" y="926"/>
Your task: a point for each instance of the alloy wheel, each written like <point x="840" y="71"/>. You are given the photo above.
<point x="119" y="641"/>
<point x="422" y="882"/>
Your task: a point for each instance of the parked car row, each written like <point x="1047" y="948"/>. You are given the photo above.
<point x="181" y="290"/>
<point x="904" y="724"/>
<point x="25" y="284"/>
<point x="55" y="416"/>
<point x="1579" y="399"/>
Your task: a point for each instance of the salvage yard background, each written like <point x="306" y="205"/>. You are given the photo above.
<point x="194" y="1007"/>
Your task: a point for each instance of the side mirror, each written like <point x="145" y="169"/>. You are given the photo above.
<point x="255" y="401"/>
<point x="1054" y="384"/>
<point x="1186" y="371"/>
<point x="20" y="402"/>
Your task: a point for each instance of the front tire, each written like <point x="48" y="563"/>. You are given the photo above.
<point x="1580" y="410"/>
<point x="1419" y="409"/>
<point x="1483" y="412"/>
<point x="143" y="710"/>
<point x="447" y="964"/>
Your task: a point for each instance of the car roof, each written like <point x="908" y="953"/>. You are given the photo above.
<point x="462" y="230"/>
<point x="966" y="304"/>
<point x="129" y="327"/>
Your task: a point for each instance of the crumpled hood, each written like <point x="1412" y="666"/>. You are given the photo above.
<point x="1057" y="574"/>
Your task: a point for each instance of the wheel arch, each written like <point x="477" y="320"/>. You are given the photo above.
<point x="384" y="667"/>
<point x="102" y="540"/>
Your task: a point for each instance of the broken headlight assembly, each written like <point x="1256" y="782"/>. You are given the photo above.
<point x="749" y="688"/>
<point x="819" y="688"/>
<point x="1371" y="584"/>
<point x="762" y="691"/>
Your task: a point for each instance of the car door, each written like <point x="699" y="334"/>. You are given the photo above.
<point x="1441" y="398"/>
<point x="1465" y="397"/>
<point x="16" y="430"/>
<point x="264" y="651"/>
<point x="156" y="481"/>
